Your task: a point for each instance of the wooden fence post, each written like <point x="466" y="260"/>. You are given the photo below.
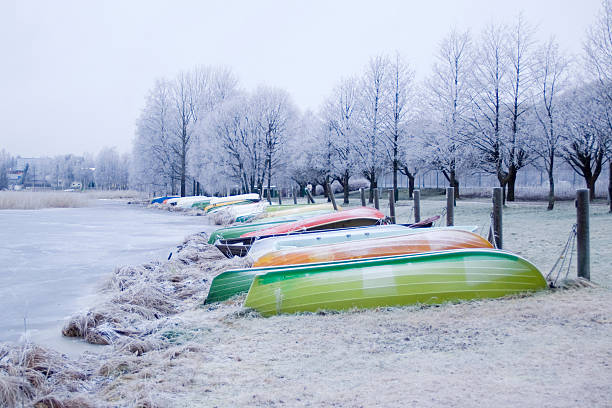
<point x="450" y="206"/>
<point x="330" y="193"/>
<point x="376" y="199"/>
<point x="498" y="205"/>
<point x="362" y="194"/>
<point x="392" y="206"/>
<point x="582" y="233"/>
<point x="416" y="194"/>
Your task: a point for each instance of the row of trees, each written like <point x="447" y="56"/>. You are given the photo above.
<point x="493" y="103"/>
<point x="107" y="170"/>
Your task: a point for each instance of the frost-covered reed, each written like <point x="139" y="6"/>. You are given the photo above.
<point x="35" y="200"/>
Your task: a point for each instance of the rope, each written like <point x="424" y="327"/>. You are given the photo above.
<point x="560" y="262"/>
<point x="438" y="222"/>
<point x="492" y="238"/>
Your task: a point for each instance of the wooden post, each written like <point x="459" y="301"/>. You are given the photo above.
<point x="330" y="193"/>
<point x="450" y="206"/>
<point x="392" y="206"/>
<point x="293" y="192"/>
<point x="416" y="194"/>
<point x="362" y="194"/>
<point x="582" y="233"/>
<point x="309" y="196"/>
<point x="376" y="199"/>
<point x="198" y="188"/>
<point x="498" y="205"/>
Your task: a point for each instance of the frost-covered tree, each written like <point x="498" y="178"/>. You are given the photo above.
<point x="172" y="125"/>
<point x="598" y="52"/>
<point x="6" y="162"/>
<point x="517" y="93"/>
<point x="550" y="79"/>
<point x="374" y="94"/>
<point x="111" y="169"/>
<point x="486" y="132"/>
<point x="448" y="89"/>
<point x="275" y="116"/>
<point x="398" y="116"/>
<point x="585" y="133"/>
<point x="339" y="113"/>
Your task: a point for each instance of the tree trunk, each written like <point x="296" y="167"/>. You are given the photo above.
<point x="551" y="189"/>
<point x="395" y="169"/>
<point x="345" y="187"/>
<point x="551" y="181"/>
<point x="410" y="184"/>
<point x="590" y="182"/>
<point x="454" y="183"/>
<point x="373" y="185"/>
<point x="511" y="182"/>
<point x="183" y="171"/>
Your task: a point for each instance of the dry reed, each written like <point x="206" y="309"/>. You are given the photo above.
<point x="35" y="200"/>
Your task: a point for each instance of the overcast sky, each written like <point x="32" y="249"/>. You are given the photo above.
<point x="74" y="74"/>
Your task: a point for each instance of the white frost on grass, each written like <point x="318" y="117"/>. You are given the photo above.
<point x="547" y="349"/>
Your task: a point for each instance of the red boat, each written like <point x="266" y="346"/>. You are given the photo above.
<point x="356" y="217"/>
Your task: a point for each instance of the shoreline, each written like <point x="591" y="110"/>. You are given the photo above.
<point x="166" y="349"/>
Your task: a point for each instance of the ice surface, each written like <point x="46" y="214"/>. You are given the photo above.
<point x="51" y="260"/>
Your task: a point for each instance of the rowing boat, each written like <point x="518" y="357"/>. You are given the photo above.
<point x="267" y="246"/>
<point x="412" y="241"/>
<point x="355" y="217"/>
<point x="431" y="278"/>
<point x="237" y="230"/>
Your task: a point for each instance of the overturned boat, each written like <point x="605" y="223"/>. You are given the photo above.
<point x="430" y="278"/>
<point x="416" y="241"/>
<point x="263" y="247"/>
<point x="355" y="217"/>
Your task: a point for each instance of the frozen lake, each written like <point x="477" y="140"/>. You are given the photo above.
<point x="52" y="260"/>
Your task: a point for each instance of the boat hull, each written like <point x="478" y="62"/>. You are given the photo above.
<point x="429" y="278"/>
<point x="267" y="246"/>
<point x="360" y="216"/>
<point x="418" y="242"/>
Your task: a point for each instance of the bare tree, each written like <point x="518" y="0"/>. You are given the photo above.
<point x="486" y="128"/>
<point x="374" y="94"/>
<point x="398" y="116"/>
<point x="586" y="136"/>
<point x="598" y="52"/>
<point x="340" y="121"/>
<point x="275" y="116"/>
<point x="449" y="98"/>
<point x="517" y="87"/>
<point x="550" y="76"/>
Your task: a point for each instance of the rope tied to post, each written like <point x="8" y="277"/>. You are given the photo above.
<point x="438" y="222"/>
<point x="560" y="265"/>
<point x="492" y="237"/>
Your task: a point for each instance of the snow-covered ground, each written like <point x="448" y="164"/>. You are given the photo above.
<point x="548" y="349"/>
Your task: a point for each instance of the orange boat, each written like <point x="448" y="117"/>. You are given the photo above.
<point x="426" y="241"/>
<point x="356" y="217"/>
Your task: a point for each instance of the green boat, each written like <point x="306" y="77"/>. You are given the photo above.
<point x="431" y="278"/>
<point x="238" y="230"/>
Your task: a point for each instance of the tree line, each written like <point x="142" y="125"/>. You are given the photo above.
<point x="494" y="102"/>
